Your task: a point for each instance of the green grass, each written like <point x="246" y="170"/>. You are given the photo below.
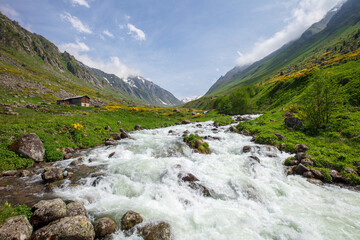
<point x="335" y="147"/>
<point x="7" y="210"/>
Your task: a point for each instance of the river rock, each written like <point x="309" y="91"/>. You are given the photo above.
<point x="104" y="226"/>
<point x="188" y="177"/>
<point x="301" y="148"/>
<point x="115" y="136"/>
<point x="9" y="173"/>
<point x="109" y="142"/>
<point x="137" y="127"/>
<point x="72" y="228"/>
<point x="52" y="174"/>
<point x="108" y="128"/>
<point x="318" y="174"/>
<point x="155" y="231"/>
<point x="200" y="188"/>
<point x="291" y="163"/>
<point x="186" y="122"/>
<point x="315" y="181"/>
<point x="76" y="209"/>
<point x="308" y="174"/>
<point x="255" y="158"/>
<point x="130" y="219"/>
<point x="293" y="122"/>
<point x="47" y="211"/>
<point x="25" y="173"/>
<point x="29" y="146"/>
<point x="68" y="156"/>
<point x="337" y="177"/>
<point x="111" y="155"/>
<point x="302" y="155"/>
<point x="301" y="169"/>
<point x="246" y="149"/>
<point x="123" y="134"/>
<point x="307" y="161"/>
<point x="16" y="228"/>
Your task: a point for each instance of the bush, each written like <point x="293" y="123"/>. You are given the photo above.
<point x="320" y="102"/>
<point x="7" y="211"/>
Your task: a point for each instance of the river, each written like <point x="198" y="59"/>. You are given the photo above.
<point x="250" y="200"/>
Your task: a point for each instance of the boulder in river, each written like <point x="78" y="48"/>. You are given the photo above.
<point x="52" y="174"/>
<point x="16" y="228"/>
<point x="104" y="226"/>
<point x="29" y="146"/>
<point x="76" y="209"/>
<point x="137" y="127"/>
<point x="123" y="134"/>
<point x="155" y="231"/>
<point x="115" y="136"/>
<point x="246" y="149"/>
<point x="75" y="228"/>
<point x="130" y="219"/>
<point x="47" y="211"/>
<point x="186" y="122"/>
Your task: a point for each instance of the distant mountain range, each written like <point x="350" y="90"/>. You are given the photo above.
<point x="36" y="65"/>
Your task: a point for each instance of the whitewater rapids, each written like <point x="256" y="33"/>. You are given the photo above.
<point x="250" y="200"/>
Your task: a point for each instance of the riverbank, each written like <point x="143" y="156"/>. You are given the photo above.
<point x="61" y="127"/>
<point x="150" y="174"/>
<point x="334" y="148"/>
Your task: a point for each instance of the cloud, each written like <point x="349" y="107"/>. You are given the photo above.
<point x="10" y="12"/>
<point x="76" y="23"/>
<point x="136" y="33"/>
<point x="74" y="48"/>
<point x="14" y="15"/>
<point x="113" y="65"/>
<point x="107" y="33"/>
<point x="304" y="14"/>
<point x="81" y="3"/>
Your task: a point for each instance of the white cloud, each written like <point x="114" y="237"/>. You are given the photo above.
<point x="304" y="14"/>
<point x="74" y="48"/>
<point x="136" y="33"/>
<point x="76" y="23"/>
<point x="14" y="15"/>
<point x="81" y="3"/>
<point x="127" y="17"/>
<point x="107" y="33"/>
<point x="10" y="12"/>
<point x="113" y="65"/>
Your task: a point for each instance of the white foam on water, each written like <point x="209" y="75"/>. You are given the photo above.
<point x="250" y="200"/>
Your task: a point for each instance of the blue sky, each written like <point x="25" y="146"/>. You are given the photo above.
<point x="182" y="45"/>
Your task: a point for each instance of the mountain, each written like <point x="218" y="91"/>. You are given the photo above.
<point x="188" y="99"/>
<point x="332" y="42"/>
<point x="30" y="63"/>
<point x="240" y="73"/>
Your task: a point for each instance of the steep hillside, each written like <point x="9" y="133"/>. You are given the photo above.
<point x="30" y="63"/>
<point x="317" y="49"/>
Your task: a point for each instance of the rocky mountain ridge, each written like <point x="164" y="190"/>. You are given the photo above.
<point x="31" y="54"/>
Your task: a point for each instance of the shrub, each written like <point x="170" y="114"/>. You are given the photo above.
<point x="7" y="211"/>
